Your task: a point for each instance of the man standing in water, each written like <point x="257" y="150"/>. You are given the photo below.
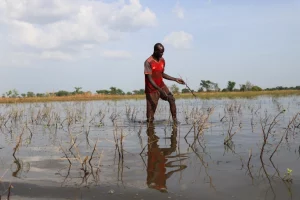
<point x="155" y="88"/>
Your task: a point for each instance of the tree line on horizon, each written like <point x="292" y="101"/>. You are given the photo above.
<point x="205" y="86"/>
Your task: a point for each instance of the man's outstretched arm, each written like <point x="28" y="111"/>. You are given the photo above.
<point x="178" y="80"/>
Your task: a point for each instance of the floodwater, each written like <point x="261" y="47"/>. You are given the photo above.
<point x="105" y="150"/>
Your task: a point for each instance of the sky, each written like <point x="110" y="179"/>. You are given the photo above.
<point x="54" y="45"/>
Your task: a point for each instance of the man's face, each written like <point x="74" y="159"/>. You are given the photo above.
<point x="159" y="52"/>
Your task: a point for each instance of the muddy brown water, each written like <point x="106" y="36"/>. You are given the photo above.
<point x="162" y="161"/>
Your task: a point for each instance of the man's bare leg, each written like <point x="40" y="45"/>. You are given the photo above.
<point x="152" y="101"/>
<point x="172" y="104"/>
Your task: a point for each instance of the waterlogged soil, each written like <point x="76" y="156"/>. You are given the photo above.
<point x="104" y="149"/>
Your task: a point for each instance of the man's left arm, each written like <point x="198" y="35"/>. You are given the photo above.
<point x="166" y="76"/>
<point x="178" y="80"/>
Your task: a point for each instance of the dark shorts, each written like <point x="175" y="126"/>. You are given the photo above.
<point x="155" y="96"/>
<point x="152" y="102"/>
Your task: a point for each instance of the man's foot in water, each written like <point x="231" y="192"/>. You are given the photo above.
<point x="175" y="121"/>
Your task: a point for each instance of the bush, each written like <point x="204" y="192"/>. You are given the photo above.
<point x="256" y="88"/>
<point x="185" y="90"/>
<point x="62" y="93"/>
<point x="200" y="89"/>
<point x="30" y="94"/>
<point x="40" y="94"/>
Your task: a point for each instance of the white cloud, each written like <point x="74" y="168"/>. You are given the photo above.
<point x="179" y="40"/>
<point x="131" y="17"/>
<point x="116" y="54"/>
<point x="56" y="55"/>
<point x="58" y="29"/>
<point x="15" y="57"/>
<point x="178" y="10"/>
<point x="36" y="11"/>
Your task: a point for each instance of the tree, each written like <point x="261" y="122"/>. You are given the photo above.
<point x="209" y="85"/>
<point x="62" y="93"/>
<point x="246" y="87"/>
<point x="205" y="84"/>
<point x="216" y="87"/>
<point x="40" y="94"/>
<point x="113" y="90"/>
<point x="77" y="90"/>
<point x="200" y="89"/>
<point x="141" y="91"/>
<point x="15" y="93"/>
<point x="30" y="94"/>
<point x="102" y="91"/>
<point x="9" y="93"/>
<point x="23" y="95"/>
<point x="242" y="87"/>
<point x="185" y="90"/>
<point x="256" y="88"/>
<point x="230" y="85"/>
<point x="174" y="89"/>
<point x="12" y="93"/>
<point x="119" y="92"/>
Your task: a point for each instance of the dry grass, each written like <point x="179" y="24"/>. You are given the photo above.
<point x="200" y="95"/>
<point x="232" y="95"/>
<point x="69" y="98"/>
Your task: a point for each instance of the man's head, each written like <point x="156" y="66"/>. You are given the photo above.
<point x="158" y="50"/>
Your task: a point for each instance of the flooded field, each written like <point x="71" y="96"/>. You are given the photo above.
<point x="222" y="149"/>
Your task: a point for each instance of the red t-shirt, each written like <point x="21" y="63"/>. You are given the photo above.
<point x="156" y="69"/>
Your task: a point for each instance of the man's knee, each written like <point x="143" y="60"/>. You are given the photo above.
<point x="171" y="98"/>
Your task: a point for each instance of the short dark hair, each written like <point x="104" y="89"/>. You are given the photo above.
<point x="157" y="45"/>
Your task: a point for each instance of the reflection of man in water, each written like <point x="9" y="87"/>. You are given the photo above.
<point x="157" y="160"/>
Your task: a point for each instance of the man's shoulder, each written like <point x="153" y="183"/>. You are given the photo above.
<point x="149" y="59"/>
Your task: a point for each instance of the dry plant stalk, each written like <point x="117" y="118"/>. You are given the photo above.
<point x="18" y="143"/>
<point x="230" y="136"/>
<point x="248" y="164"/>
<point x="91" y="157"/>
<point x="84" y="166"/>
<point x="202" y="123"/>
<point x="66" y="155"/>
<point x="205" y="165"/>
<point x="267" y="133"/>
<point x="285" y="134"/>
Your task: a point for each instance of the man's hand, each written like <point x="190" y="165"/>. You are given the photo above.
<point x="180" y="81"/>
